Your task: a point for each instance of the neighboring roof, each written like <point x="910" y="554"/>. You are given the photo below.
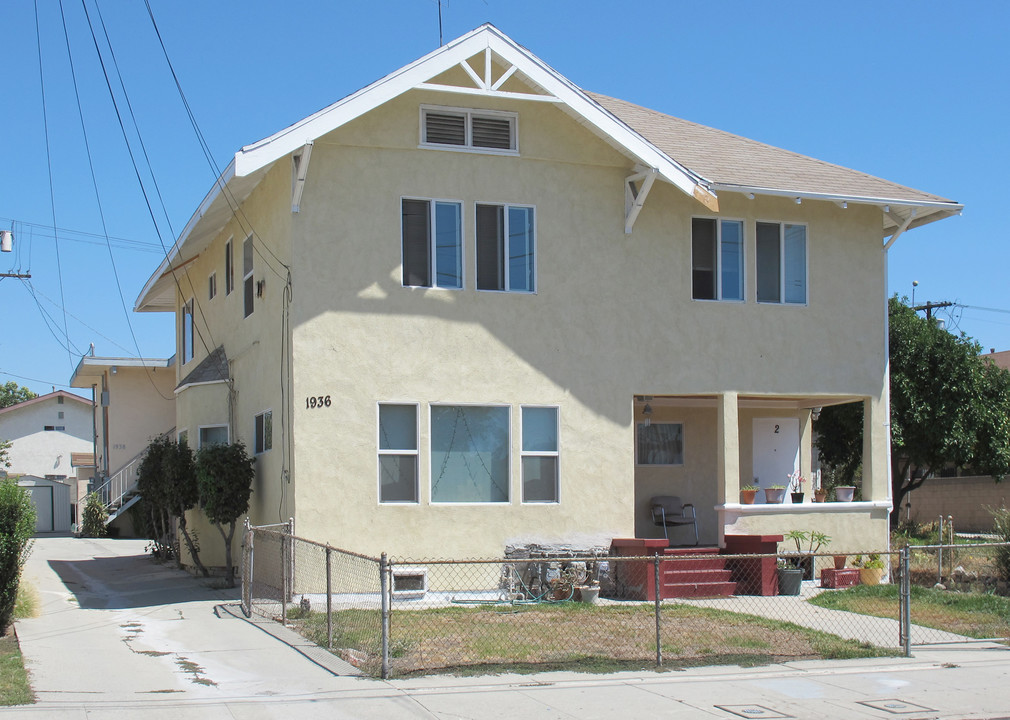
<point x="91" y="366"/>
<point x="82" y="459"/>
<point x="213" y="368"/>
<point x="700" y="161"/>
<point x="1000" y="359"/>
<point x="44" y="398"/>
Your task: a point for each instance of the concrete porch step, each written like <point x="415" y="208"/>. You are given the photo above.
<point x="698" y="589"/>
<point x="706" y="575"/>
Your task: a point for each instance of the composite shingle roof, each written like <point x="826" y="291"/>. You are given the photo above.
<point x="725" y="159"/>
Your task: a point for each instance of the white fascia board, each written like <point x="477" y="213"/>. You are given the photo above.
<point x="861" y="199"/>
<point x="253" y="157"/>
<point x="173" y="252"/>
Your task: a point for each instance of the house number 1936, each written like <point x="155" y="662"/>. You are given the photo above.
<point x="317" y="401"/>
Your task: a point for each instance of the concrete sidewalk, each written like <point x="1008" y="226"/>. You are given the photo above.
<point x="123" y="637"/>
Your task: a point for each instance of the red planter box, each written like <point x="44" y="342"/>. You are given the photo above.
<point x="839" y="578"/>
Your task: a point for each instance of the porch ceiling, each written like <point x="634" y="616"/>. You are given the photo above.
<point x="777" y="402"/>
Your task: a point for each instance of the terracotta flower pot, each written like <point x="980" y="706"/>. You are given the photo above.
<point x="820" y="495"/>
<point x="840" y="561"/>
<point x="747" y="496"/>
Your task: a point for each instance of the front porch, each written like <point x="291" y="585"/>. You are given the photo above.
<point x="704" y="448"/>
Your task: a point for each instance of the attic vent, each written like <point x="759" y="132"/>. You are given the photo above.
<point x="492" y="133"/>
<point x="445" y="129"/>
<point x="458" y="128"/>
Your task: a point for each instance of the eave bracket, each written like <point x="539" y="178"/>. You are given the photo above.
<point x="299" y="171"/>
<point x="636" y="190"/>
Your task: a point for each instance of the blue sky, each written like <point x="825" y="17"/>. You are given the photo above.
<point x="915" y="92"/>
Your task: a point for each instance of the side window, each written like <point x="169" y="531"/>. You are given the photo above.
<point x="717" y="259"/>
<point x="506" y="248"/>
<point x="229" y="268"/>
<point x="540" y="455"/>
<point x="187" y="332"/>
<point x="264" y="432"/>
<point x="660" y="444"/>
<point x="398" y="453"/>
<point x="214" y="435"/>
<point x="247" y="275"/>
<point x="781" y="263"/>
<point x="432" y="243"/>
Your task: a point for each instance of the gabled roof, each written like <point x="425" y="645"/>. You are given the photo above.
<point x="43" y="398"/>
<point x="698" y="160"/>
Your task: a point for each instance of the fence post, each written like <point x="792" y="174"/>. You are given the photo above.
<point x="659" y="638"/>
<point x="247" y="571"/>
<point x="383" y="591"/>
<point x="905" y="601"/>
<point x="284" y="580"/>
<point x="939" y="555"/>
<point x="329" y="600"/>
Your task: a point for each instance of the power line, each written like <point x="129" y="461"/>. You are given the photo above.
<point x="67" y="234"/>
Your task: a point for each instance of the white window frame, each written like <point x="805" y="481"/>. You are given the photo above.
<point x="683" y="442"/>
<point x="782" y="262"/>
<point x="201" y="428"/>
<point x="536" y="247"/>
<point x="718" y="259"/>
<point x="229" y="266"/>
<point x="183" y="432"/>
<point x="416" y="452"/>
<point x="469" y="113"/>
<point x="212" y="286"/>
<point x="432" y="250"/>
<point x="541" y="453"/>
<point x="431" y="455"/>
<point x="248" y="301"/>
<point x="188" y="331"/>
<point x="256" y="436"/>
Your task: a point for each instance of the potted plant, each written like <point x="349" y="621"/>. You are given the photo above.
<point x="871" y="570"/>
<point x="840" y="561"/>
<point x="796" y="486"/>
<point x="790" y="578"/>
<point x="844" y="493"/>
<point x="747" y="493"/>
<point x="775" y="494"/>
<point x="803" y="558"/>
<point x="820" y="495"/>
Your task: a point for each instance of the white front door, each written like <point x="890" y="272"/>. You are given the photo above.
<point x="776" y="451"/>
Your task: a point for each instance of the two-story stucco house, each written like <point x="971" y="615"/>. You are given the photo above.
<point x="473" y="304"/>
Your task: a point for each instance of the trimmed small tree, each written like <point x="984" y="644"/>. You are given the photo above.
<point x="225" y="475"/>
<point x="94" y="517"/>
<point x="17" y="525"/>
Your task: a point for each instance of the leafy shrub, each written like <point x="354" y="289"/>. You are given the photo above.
<point x="17" y="525"/>
<point x="1001" y="526"/>
<point x="95" y="515"/>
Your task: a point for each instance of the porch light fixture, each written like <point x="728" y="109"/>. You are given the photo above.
<point x="647" y="411"/>
<point x="815" y="412"/>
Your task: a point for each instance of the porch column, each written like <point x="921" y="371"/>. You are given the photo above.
<point x="876" y="428"/>
<point x="728" y="460"/>
<point x="806" y="449"/>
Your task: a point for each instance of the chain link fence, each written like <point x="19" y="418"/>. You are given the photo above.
<point x="595" y="611"/>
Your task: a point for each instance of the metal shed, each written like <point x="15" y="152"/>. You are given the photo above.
<point x="52" y="503"/>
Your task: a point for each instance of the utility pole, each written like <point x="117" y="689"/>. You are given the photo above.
<point x="16" y="275"/>
<point x="930" y="306"/>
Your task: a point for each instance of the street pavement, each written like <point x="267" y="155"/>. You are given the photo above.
<point x="120" y="636"/>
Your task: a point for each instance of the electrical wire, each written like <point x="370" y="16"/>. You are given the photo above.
<point x="30" y="379"/>
<point x="49" y="163"/>
<point x="67" y="235"/>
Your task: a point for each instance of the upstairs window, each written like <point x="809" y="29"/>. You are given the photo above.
<point x="229" y="269"/>
<point x="478" y="130"/>
<point x="212" y="286"/>
<point x="247" y="275"/>
<point x="781" y="263"/>
<point x="506" y="250"/>
<point x="716" y="259"/>
<point x="187" y="332"/>
<point x="432" y="243"/>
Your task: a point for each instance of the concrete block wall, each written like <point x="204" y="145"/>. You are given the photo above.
<point x="964" y="498"/>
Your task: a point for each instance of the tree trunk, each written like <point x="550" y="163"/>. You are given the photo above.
<point x="191" y="546"/>
<point x="229" y="569"/>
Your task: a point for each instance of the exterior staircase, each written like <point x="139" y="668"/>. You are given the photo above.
<point x="693" y="573"/>
<point x="119" y="491"/>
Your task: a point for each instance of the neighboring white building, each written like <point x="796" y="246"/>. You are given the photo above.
<point x="45" y="431"/>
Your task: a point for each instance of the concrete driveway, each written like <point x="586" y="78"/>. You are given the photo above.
<point x="123" y="637"/>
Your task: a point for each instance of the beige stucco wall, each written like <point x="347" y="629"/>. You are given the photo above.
<point x="612" y="318"/>
<point x="141" y="407"/>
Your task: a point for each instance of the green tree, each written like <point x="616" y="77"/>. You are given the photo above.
<point x="5" y="458"/>
<point x="949" y="406"/>
<point x="167" y="479"/>
<point x="95" y="515"/>
<point x="17" y="525"/>
<point x="11" y="394"/>
<point x="225" y="476"/>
